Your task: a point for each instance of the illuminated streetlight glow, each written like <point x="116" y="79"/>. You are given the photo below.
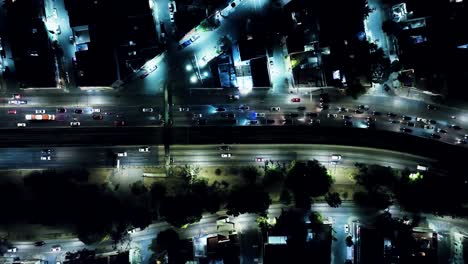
<point x="193" y="79"/>
<point x="205" y="74"/>
<point x="189" y="67"/>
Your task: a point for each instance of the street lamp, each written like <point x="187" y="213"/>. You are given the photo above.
<point x="188" y="67"/>
<point x="193" y="79"/>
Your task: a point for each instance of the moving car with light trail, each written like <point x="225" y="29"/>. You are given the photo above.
<point x="44" y="117"/>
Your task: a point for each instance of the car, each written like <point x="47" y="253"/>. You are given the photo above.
<point x="296" y="100"/>
<point x="12" y="112"/>
<point x="12" y="250"/>
<point x="370" y="118"/>
<point x="253" y="122"/>
<point x="119" y="123"/>
<point x="406" y="118"/>
<point x="96" y="110"/>
<point x="275" y="108"/>
<point x="315" y="121"/>
<point x="270" y="121"/>
<point x="435" y="136"/>
<point x="336" y="157"/>
<point x="121" y="154"/>
<point x="363" y="107"/>
<point x="293" y="115"/>
<point x="225" y="148"/>
<point x="376" y="113"/>
<point x="194" y="116"/>
<point x="194" y="37"/>
<point x="348" y="123"/>
<point x="301" y="108"/>
<point x="391" y="115"/>
<point x="16" y="96"/>
<point x="410" y="124"/>
<point x="358" y="111"/>
<point x="431" y="107"/>
<point x="171" y="7"/>
<point x="184" y="109"/>
<point x="288" y="121"/>
<point x="78" y="111"/>
<point x="346" y="228"/>
<point x="432" y="121"/>
<point x="144" y="75"/>
<point x="41" y="111"/>
<point x="231" y="115"/>
<point x="440" y="130"/>
<point x="97" y="116"/>
<point x="271" y="62"/>
<point x="147" y="110"/>
<point x="370" y="124"/>
<point x="143" y="149"/>
<point x="347" y="117"/>
<point x="244" y="107"/>
<point x="428" y="127"/>
<point x="341" y="109"/>
<point x="406" y="130"/>
<point x="21" y="124"/>
<point x="220" y="109"/>
<point x="312" y="115"/>
<point x="75" y="123"/>
<point x="460" y="141"/>
<point x="171" y="17"/>
<point x="258" y="159"/>
<point x="323" y="106"/>
<point x="39" y="243"/>
<point x="17" y="102"/>
<point x="56" y="248"/>
<point x="45" y="157"/>
<point x="332" y="115"/>
<point x="225" y="155"/>
<point x="46" y="151"/>
<point x="393" y="121"/>
<point x="61" y="110"/>
<point x="202" y="122"/>
<point x="456" y="127"/>
<point x="233" y="97"/>
<point x="261" y="115"/>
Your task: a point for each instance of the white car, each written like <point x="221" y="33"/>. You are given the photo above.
<point x="143" y="149"/>
<point x="42" y="111"/>
<point x="171" y="16"/>
<point x="21" y="124"/>
<point x="75" y="123"/>
<point x="336" y="157"/>
<point x="346" y="228"/>
<point x="56" y="249"/>
<point x="122" y="154"/>
<point x="12" y="250"/>
<point x="96" y="110"/>
<point x="225" y="155"/>
<point x="45" y="157"/>
<point x="275" y="109"/>
<point x="147" y="110"/>
<point x="17" y="102"/>
<point x="184" y="109"/>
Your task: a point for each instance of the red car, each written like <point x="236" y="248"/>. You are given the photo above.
<point x="17" y="96"/>
<point x="259" y="159"/>
<point x="12" y="112"/>
<point x="296" y="100"/>
<point x="119" y="123"/>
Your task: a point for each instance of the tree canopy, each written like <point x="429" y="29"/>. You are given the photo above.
<point x="309" y="178"/>
<point x="248" y="199"/>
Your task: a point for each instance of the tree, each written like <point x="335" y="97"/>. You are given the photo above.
<point x="157" y="195"/>
<point x="285" y="197"/>
<point x="138" y="188"/>
<point x="167" y="241"/>
<point x="182" y="209"/>
<point x="310" y="178"/>
<point x="374" y="176"/>
<point x="250" y="174"/>
<point x="333" y="199"/>
<point x="209" y="196"/>
<point x="355" y="89"/>
<point x="272" y="176"/>
<point x="291" y="224"/>
<point x="247" y="199"/>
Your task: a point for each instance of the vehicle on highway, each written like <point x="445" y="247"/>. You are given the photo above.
<point x="332" y="115"/>
<point x="312" y="114"/>
<point x="39" y="243"/>
<point x="43" y="117"/>
<point x="225" y="155"/>
<point x="184" y="109"/>
<point x="197" y="115"/>
<point x="391" y="115"/>
<point x="440" y="130"/>
<point x="270" y="121"/>
<point x="432" y="121"/>
<point x="296" y="100"/>
<point x="393" y="121"/>
<point x="258" y="159"/>
<point x="323" y="106"/>
<point x="301" y="108"/>
<point x="171" y="17"/>
<point x="244" y="107"/>
<point x="347" y="117"/>
<point x="406" y="118"/>
<point x="342" y="109"/>
<point x="293" y="115"/>
<point x="56" y="248"/>
<point x="358" y="111"/>
<point x="460" y="141"/>
<point x="348" y="123"/>
<point x="431" y="107"/>
<point x="119" y="123"/>
<point x="61" y="110"/>
<point x="225" y="148"/>
<point x="97" y="116"/>
<point x="370" y="124"/>
<point x="231" y="115"/>
<point x="435" y="136"/>
<point x="143" y="149"/>
<point x="45" y="157"/>
<point x="147" y="110"/>
<point x="16" y="96"/>
<point x="346" y="228"/>
<point x="315" y="121"/>
<point x="406" y="130"/>
<point x="336" y="157"/>
<point x="75" y="123"/>
<point x="428" y="127"/>
<point x="253" y="122"/>
<point x="21" y="124"/>
<point x="41" y="111"/>
<point x="12" y="112"/>
<point x="376" y="113"/>
<point x="275" y="108"/>
<point x="422" y="167"/>
<point x="96" y="110"/>
<point x="363" y="107"/>
<point x="78" y="111"/>
<point x="201" y="122"/>
<point x="12" y="250"/>
<point x="233" y="97"/>
<point x="410" y="124"/>
<point x="17" y="102"/>
<point x="260" y="115"/>
<point x="121" y="154"/>
<point x="456" y="127"/>
<point x="220" y="109"/>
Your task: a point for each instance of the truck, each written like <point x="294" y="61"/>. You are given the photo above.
<point x="43" y="117"/>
